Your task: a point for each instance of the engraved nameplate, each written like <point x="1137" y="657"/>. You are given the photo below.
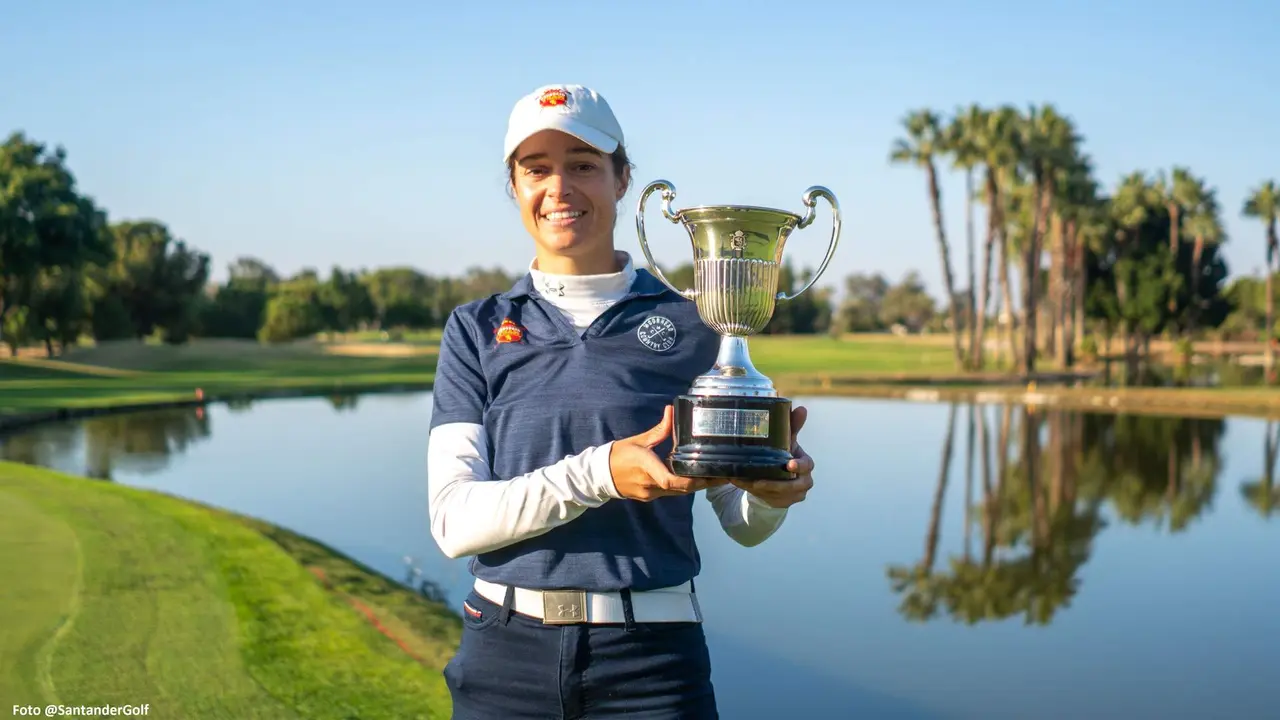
<point x="730" y="422"/>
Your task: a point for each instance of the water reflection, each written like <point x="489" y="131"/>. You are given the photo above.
<point x="429" y="589"/>
<point x="140" y="443"/>
<point x="1130" y="545"/>
<point x="1263" y="495"/>
<point x="41" y="446"/>
<point x="1048" y="482"/>
<point x="343" y="403"/>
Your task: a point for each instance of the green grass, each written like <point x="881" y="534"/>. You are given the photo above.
<point x="131" y="373"/>
<point x="413" y="337"/>
<point x="115" y="595"/>
<point x="27" y="371"/>
<point x="128" y="372"/>
<point x="134" y="373"/>
<point x="777" y="355"/>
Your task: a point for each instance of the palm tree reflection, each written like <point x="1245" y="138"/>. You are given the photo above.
<point x="1057" y="476"/>
<point x="1263" y="495"/>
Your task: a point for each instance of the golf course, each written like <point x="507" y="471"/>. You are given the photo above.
<point x="127" y="596"/>
<point x="121" y="597"/>
<point x="135" y="375"/>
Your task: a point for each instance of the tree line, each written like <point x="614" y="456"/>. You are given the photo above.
<point x="68" y="271"/>
<point x="1140" y="260"/>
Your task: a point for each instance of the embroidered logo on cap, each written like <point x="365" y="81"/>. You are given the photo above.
<point x="553" y="98"/>
<point x="657" y="333"/>
<point x="508" y="332"/>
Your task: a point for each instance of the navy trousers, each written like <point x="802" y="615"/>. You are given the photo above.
<point x="513" y="667"/>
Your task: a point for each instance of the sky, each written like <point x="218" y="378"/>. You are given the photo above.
<point x="310" y="134"/>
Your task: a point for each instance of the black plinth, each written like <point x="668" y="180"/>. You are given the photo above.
<point x="726" y="437"/>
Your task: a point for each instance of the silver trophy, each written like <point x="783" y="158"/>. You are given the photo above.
<point x="732" y="423"/>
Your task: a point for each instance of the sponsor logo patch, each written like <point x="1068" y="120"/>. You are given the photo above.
<point x="553" y="98"/>
<point x="508" y="332"/>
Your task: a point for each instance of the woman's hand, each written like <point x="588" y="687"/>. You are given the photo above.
<point x="785" y="493"/>
<point x="638" y="472"/>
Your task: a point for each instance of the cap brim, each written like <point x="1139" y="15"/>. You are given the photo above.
<point x="587" y="134"/>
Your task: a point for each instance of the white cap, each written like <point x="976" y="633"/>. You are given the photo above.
<point x="573" y="109"/>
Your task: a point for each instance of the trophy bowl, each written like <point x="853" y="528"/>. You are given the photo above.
<point x="732" y="423"/>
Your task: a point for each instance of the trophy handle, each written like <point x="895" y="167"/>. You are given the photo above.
<point x="810" y="203"/>
<point x="668" y="194"/>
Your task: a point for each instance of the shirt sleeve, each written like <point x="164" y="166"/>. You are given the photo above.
<point x="459" y="391"/>
<point x="744" y="517"/>
<point x="471" y="513"/>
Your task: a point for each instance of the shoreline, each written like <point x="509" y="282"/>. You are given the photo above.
<point x="1258" y="403"/>
<point x="26" y="420"/>
<point x="1185" y="402"/>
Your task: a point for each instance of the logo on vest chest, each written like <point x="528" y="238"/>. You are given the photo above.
<point x="657" y="333"/>
<point x="508" y="332"/>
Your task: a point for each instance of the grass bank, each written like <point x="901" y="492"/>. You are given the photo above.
<point x="136" y="375"/>
<point x="1177" y="402"/>
<point x="121" y="596"/>
<point x="131" y="374"/>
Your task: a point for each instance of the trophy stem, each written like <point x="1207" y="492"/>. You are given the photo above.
<point x="733" y="373"/>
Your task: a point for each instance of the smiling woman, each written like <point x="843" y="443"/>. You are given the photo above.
<point x="568" y="170"/>
<point x="551" y="415"/>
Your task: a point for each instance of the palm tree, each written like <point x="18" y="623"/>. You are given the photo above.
<point x="1077" y="199"/>
<point x="1264" y="204"/>
<point x="1050" y="141"/>
<point x="1181" y="193"/>
<point x="1092" y="235"/>
<point x="1204" y="225"/>
<point x="991" y="134"/>
<point x="1130" y="208"/>
<point x="924" y="143"/>
<point x="966" y="155"/>
<point x="1011" y="193"/>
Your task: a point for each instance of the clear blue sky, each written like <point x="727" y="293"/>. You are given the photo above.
<point x="367" y="134"/>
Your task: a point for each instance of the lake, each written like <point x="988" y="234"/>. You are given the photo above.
<point x="952" y="561"/>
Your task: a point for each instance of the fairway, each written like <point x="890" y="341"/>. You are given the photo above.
<point x="131" y="372"/>
<point x="137" y="374"/>
<point x="850" y="355"/>
<point x="120" y="596"/>
<point x="28" y="369"/>
<point x="214" y="356"/>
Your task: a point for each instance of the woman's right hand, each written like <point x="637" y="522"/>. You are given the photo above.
<point x="638" y="472"/>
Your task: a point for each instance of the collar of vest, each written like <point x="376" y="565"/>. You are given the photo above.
<point x="644" y="285"/>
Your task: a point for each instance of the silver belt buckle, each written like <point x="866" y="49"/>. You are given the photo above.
<point x="564" y="607"/>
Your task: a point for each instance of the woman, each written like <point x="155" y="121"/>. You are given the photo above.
<point x="551" y="417"/>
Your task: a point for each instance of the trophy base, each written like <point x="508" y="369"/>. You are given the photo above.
<point x="723" y="436"/>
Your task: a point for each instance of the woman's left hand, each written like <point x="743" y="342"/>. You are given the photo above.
<point x="785" y="493"/>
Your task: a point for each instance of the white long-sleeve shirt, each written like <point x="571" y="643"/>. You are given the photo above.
<point x="471" y="513"/>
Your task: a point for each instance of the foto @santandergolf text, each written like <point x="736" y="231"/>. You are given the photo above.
<point x="81" y="710"/>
